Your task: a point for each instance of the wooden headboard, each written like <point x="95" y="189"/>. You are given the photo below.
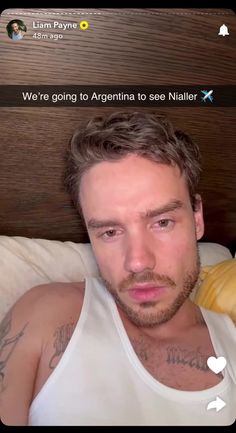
<point x="128" y="47"/>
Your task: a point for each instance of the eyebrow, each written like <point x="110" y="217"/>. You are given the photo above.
<point x="150" y="213"/>
<point x="169" y="207"/>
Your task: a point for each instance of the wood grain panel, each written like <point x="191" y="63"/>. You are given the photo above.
<point x="139" y="47"/>
<point x="123" y="47"/>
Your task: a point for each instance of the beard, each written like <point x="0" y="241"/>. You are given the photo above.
<point x="144" y="314"/>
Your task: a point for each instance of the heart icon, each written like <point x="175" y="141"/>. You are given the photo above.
<point x="216" y="364"/>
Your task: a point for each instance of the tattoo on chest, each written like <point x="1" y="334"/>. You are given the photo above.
<point x="194" y="358"/>
<point x="7" y="344"/>
<point x="157" y="357"/>
<point x="143" y="349"/>
<point x="62" y="337"/>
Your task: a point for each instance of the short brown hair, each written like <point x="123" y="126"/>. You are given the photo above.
<point x="112" y="137"/>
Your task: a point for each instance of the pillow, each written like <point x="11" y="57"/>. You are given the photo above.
<point x="26" y="262"/>
<point x="212" y="253"/>
<point x="218" y="289"/>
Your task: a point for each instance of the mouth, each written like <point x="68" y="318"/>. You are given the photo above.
<point x="145" y="293"/>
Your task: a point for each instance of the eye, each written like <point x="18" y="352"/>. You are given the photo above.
<point x="109" y="234"/>
<point x="164" y="223"/>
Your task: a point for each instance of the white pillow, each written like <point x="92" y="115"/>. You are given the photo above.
<point x="212" y="253"/>
<point x="26" y="262"/>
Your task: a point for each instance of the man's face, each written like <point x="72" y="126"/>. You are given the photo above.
<point x="144" y="235"/>
<point x="15" y="27"/>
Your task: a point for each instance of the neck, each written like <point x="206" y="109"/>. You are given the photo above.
<point x="189" y="315"/>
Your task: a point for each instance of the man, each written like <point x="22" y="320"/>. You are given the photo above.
<point x="128" y="348"/>
<point x="15" y="31"/>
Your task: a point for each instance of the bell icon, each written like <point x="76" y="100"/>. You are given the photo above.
<point x="223" y="30"/>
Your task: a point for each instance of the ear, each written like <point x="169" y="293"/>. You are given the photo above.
<point x="198" y="217"/>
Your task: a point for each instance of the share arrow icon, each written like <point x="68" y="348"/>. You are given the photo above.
<point x="216" y="404"/>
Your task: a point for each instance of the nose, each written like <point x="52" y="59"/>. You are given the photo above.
<point x="139" y="254"/>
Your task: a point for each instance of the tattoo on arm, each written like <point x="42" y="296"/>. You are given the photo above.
<point x="194" y="359"/>
<point x="7" y="345"/>
<point x="62" y="337"/>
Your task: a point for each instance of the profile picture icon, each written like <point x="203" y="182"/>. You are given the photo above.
<point x="16" y="29"/>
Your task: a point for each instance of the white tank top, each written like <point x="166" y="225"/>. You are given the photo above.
<point x="100" y="381"/>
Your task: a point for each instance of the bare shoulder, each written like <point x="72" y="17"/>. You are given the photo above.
<point x="45" y="300"/>
<point x="59" y="301"/>
<point x="50" y="297"/>
<point x="25" y="333"/>
<point x="51" y="304"/>
<point x="56" y="290"/>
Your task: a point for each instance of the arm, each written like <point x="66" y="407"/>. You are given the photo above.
<point x="20" y="347"/>
<point x="26" y="335"/>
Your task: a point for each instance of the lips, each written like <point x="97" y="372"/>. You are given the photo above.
<point x="146" y="292"/>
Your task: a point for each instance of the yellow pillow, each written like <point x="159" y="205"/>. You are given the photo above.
<point x="217" y="291"/>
